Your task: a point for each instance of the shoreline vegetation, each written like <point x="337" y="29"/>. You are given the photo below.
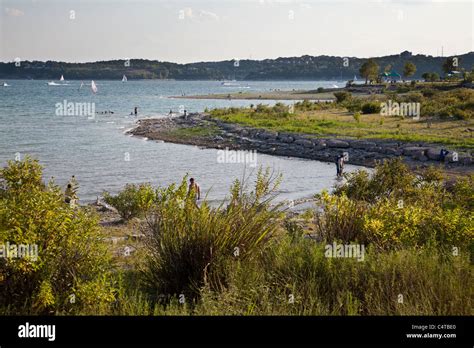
<point x="390" y="243"/>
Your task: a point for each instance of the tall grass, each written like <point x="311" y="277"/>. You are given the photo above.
<point x="187" y="245"/>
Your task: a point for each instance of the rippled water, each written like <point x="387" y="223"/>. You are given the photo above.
<point x="95" y="150"/>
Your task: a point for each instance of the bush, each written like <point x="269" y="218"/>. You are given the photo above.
<point x="133" y="201"/>
<point x="262" y="109"/>
<point x="353" y="105"/>
<point x="71" y="256"/>
<point x="371" y="108"/>
<point x="428" y="92"/>
<point x="400" y="209"/>
<point x="188" y="246"/>
<point x="342" y="96"/>
<point x="403" y="89"/>
<point x="320" y="89"/>
<point x="414" y="98"/>
<point x="462" y="114"/>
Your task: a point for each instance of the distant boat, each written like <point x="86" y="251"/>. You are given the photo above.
<point x="93" y="87"/>
<point x="230" y="83"/>
<point x="6" y="84"/>
<point x="355" y="78"/>
<point x="52" y="83"/>
<point x="124" y="78"/>
<point x="62" y="78"/>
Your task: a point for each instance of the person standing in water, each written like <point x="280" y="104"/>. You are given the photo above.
<point x="136" y="111"/>
<point x="339" y="165"/>
<point x="194" y="189"/>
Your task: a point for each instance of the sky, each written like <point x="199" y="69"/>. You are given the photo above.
<point x="212" y="30"/>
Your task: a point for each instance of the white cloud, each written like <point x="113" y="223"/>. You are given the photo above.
<point x="13" y="12"/>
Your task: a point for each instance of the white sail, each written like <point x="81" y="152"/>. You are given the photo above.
<point x="355" y="78"/>
<point x="124" y="78"/>
<point x="93" y="86"/>
<point x="62" y="78"/>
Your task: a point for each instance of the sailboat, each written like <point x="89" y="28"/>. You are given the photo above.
<point x="93" y="87"/>
<point x="355" y="78"/>
<point x="6" y="84"/>
<point x="62" y="78"/>
<point x="124" y="78"/>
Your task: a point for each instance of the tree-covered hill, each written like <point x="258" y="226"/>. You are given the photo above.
<point x="290" y="68"/>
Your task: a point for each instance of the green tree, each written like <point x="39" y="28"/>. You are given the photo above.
<point x="426" y="76"/>
<point x="409" y="69"/>
<point x="369" y="70"/>
<point x="450" y="64"/>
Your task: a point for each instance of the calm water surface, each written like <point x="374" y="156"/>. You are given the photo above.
<point x="95" y="150"/>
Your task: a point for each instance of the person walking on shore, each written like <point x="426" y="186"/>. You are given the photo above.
<point x="194" y="190"/>
<point x="340" y="165"/>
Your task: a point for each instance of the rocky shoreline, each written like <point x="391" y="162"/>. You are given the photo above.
<point x="359" y="152"/>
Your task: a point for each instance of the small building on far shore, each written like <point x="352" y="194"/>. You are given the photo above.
<point x="390" y="76"/>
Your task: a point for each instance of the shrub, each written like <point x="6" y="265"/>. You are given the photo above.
<point x="462" y="114"/>
<point x="133" y="201"/>
<point x="262" y="108"/>
<point x="403" y="89"/>
<point x="71" y="256"/>
<point x="414" y="98"/>
<point x="353" y="105"/>
<point x="371" y="108"/>
<point x="428" y="92"/>
<point x="320" y="89"/>
<point x="342" y="96"/>
<point x="280" y="109"/>
<point x="402" y="209"/>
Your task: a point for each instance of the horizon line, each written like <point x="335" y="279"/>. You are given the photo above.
<point x="232" y="59"/>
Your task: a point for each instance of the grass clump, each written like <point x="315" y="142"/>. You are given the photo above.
<point x="187" y="245"/>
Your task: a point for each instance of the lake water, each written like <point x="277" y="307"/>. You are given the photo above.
<point x="103" y="158"/>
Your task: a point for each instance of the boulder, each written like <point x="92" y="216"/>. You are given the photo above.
<point x="420" y="157"/>
<point x="265" y="135"/>
<point x="358" y="144"/>
<point x="284" y="138"/>
<point x="433" y="154"/>
<point x="304" y="142"/>
<point x="414" y="151"/>
<point x="337" y="143"/>
<point x="465" y="159"/>
<point x="244" y="133"/>
<point x="391" y="151"/>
